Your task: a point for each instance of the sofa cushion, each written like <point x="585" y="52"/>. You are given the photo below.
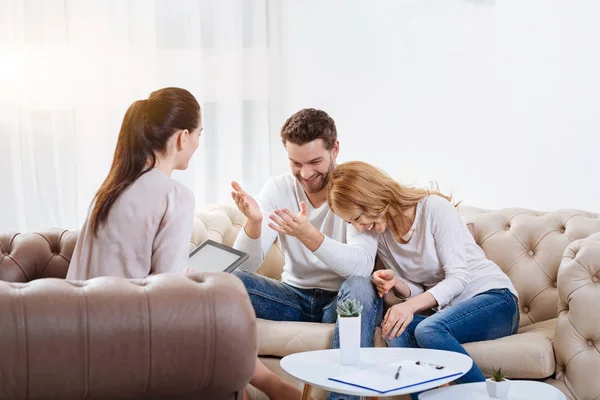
<point x="277" y="338"/>
<point x="529" y="354"/>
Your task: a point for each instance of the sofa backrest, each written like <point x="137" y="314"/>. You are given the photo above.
<point x="528" y="245"/>
<point x="28" y="256"/>
<point x="25" y="257"/>
<point x="47" y="253"/>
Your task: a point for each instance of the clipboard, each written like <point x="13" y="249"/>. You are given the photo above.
<point x="382" y="379"/>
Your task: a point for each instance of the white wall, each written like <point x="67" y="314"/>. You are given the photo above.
<point x="497" y="100"/>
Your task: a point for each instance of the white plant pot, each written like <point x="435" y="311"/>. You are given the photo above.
<point x="498" y="390"/>
<point x="349" y="330"/>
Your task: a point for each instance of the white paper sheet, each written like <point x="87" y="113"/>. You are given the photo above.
<point x="382" y="379"/>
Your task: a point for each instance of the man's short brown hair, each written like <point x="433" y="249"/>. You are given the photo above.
<point x="307" y="125"/>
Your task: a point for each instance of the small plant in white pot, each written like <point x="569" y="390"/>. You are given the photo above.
<point x="349" y="330"/>
<point x="497" y="386"/>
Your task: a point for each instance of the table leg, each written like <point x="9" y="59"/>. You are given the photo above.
<point x="306" y="392"/>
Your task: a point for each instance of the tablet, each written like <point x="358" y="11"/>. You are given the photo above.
<point x="211" y="256"/>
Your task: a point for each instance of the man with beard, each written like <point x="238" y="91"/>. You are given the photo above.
<point x="326" y="259"/>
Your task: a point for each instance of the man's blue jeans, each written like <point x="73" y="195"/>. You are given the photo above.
<point x="278" y="301"/>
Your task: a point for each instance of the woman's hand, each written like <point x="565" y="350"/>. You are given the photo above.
<point x="384" y="280"/>
<point x="396" y="320"/>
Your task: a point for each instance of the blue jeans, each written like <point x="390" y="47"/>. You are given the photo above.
<point x="487" y="316"/>
<point x="278" y="301"/>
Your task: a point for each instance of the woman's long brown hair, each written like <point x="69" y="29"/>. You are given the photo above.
<point x="146" y="128"/>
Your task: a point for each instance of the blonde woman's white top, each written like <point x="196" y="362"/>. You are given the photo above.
<point x="441" y="256"/>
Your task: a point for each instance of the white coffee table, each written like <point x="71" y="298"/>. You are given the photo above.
<point x="519" y="390"/>
<point x="315" y="367"/>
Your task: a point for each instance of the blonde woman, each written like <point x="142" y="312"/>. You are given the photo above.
<point x="432" y="263"/>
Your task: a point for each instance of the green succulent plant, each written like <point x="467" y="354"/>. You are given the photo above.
<point x="349" y="308"/>
<point x="497" y="376"/>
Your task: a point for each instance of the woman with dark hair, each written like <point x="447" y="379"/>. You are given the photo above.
<point x="140" y="221"/>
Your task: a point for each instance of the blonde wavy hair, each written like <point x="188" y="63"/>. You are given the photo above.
<point x="358" y="185"/>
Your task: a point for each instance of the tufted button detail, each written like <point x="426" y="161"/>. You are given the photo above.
<point x="530" y="252"/>
<point x="562" y="230"/>
<point x="525" y="309"/>
<point x="508" y="227"/>
<point x="555" y="284"/>
<point x="595" y="279"/>
<point x="590" y="343"/>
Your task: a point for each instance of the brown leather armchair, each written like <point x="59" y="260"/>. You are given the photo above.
<point x="166" y="336"/>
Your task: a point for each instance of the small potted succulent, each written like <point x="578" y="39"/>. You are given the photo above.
<point x="497" y="386"/>
<point x="349" y="330"/>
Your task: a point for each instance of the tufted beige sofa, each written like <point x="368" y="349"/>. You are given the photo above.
<point x="553" y="259"/>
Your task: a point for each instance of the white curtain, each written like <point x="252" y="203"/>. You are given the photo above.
<point x="70" y="68"/>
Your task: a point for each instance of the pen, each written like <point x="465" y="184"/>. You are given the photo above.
<point x="398" y="372"/>
<point x="431" y="365"/>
